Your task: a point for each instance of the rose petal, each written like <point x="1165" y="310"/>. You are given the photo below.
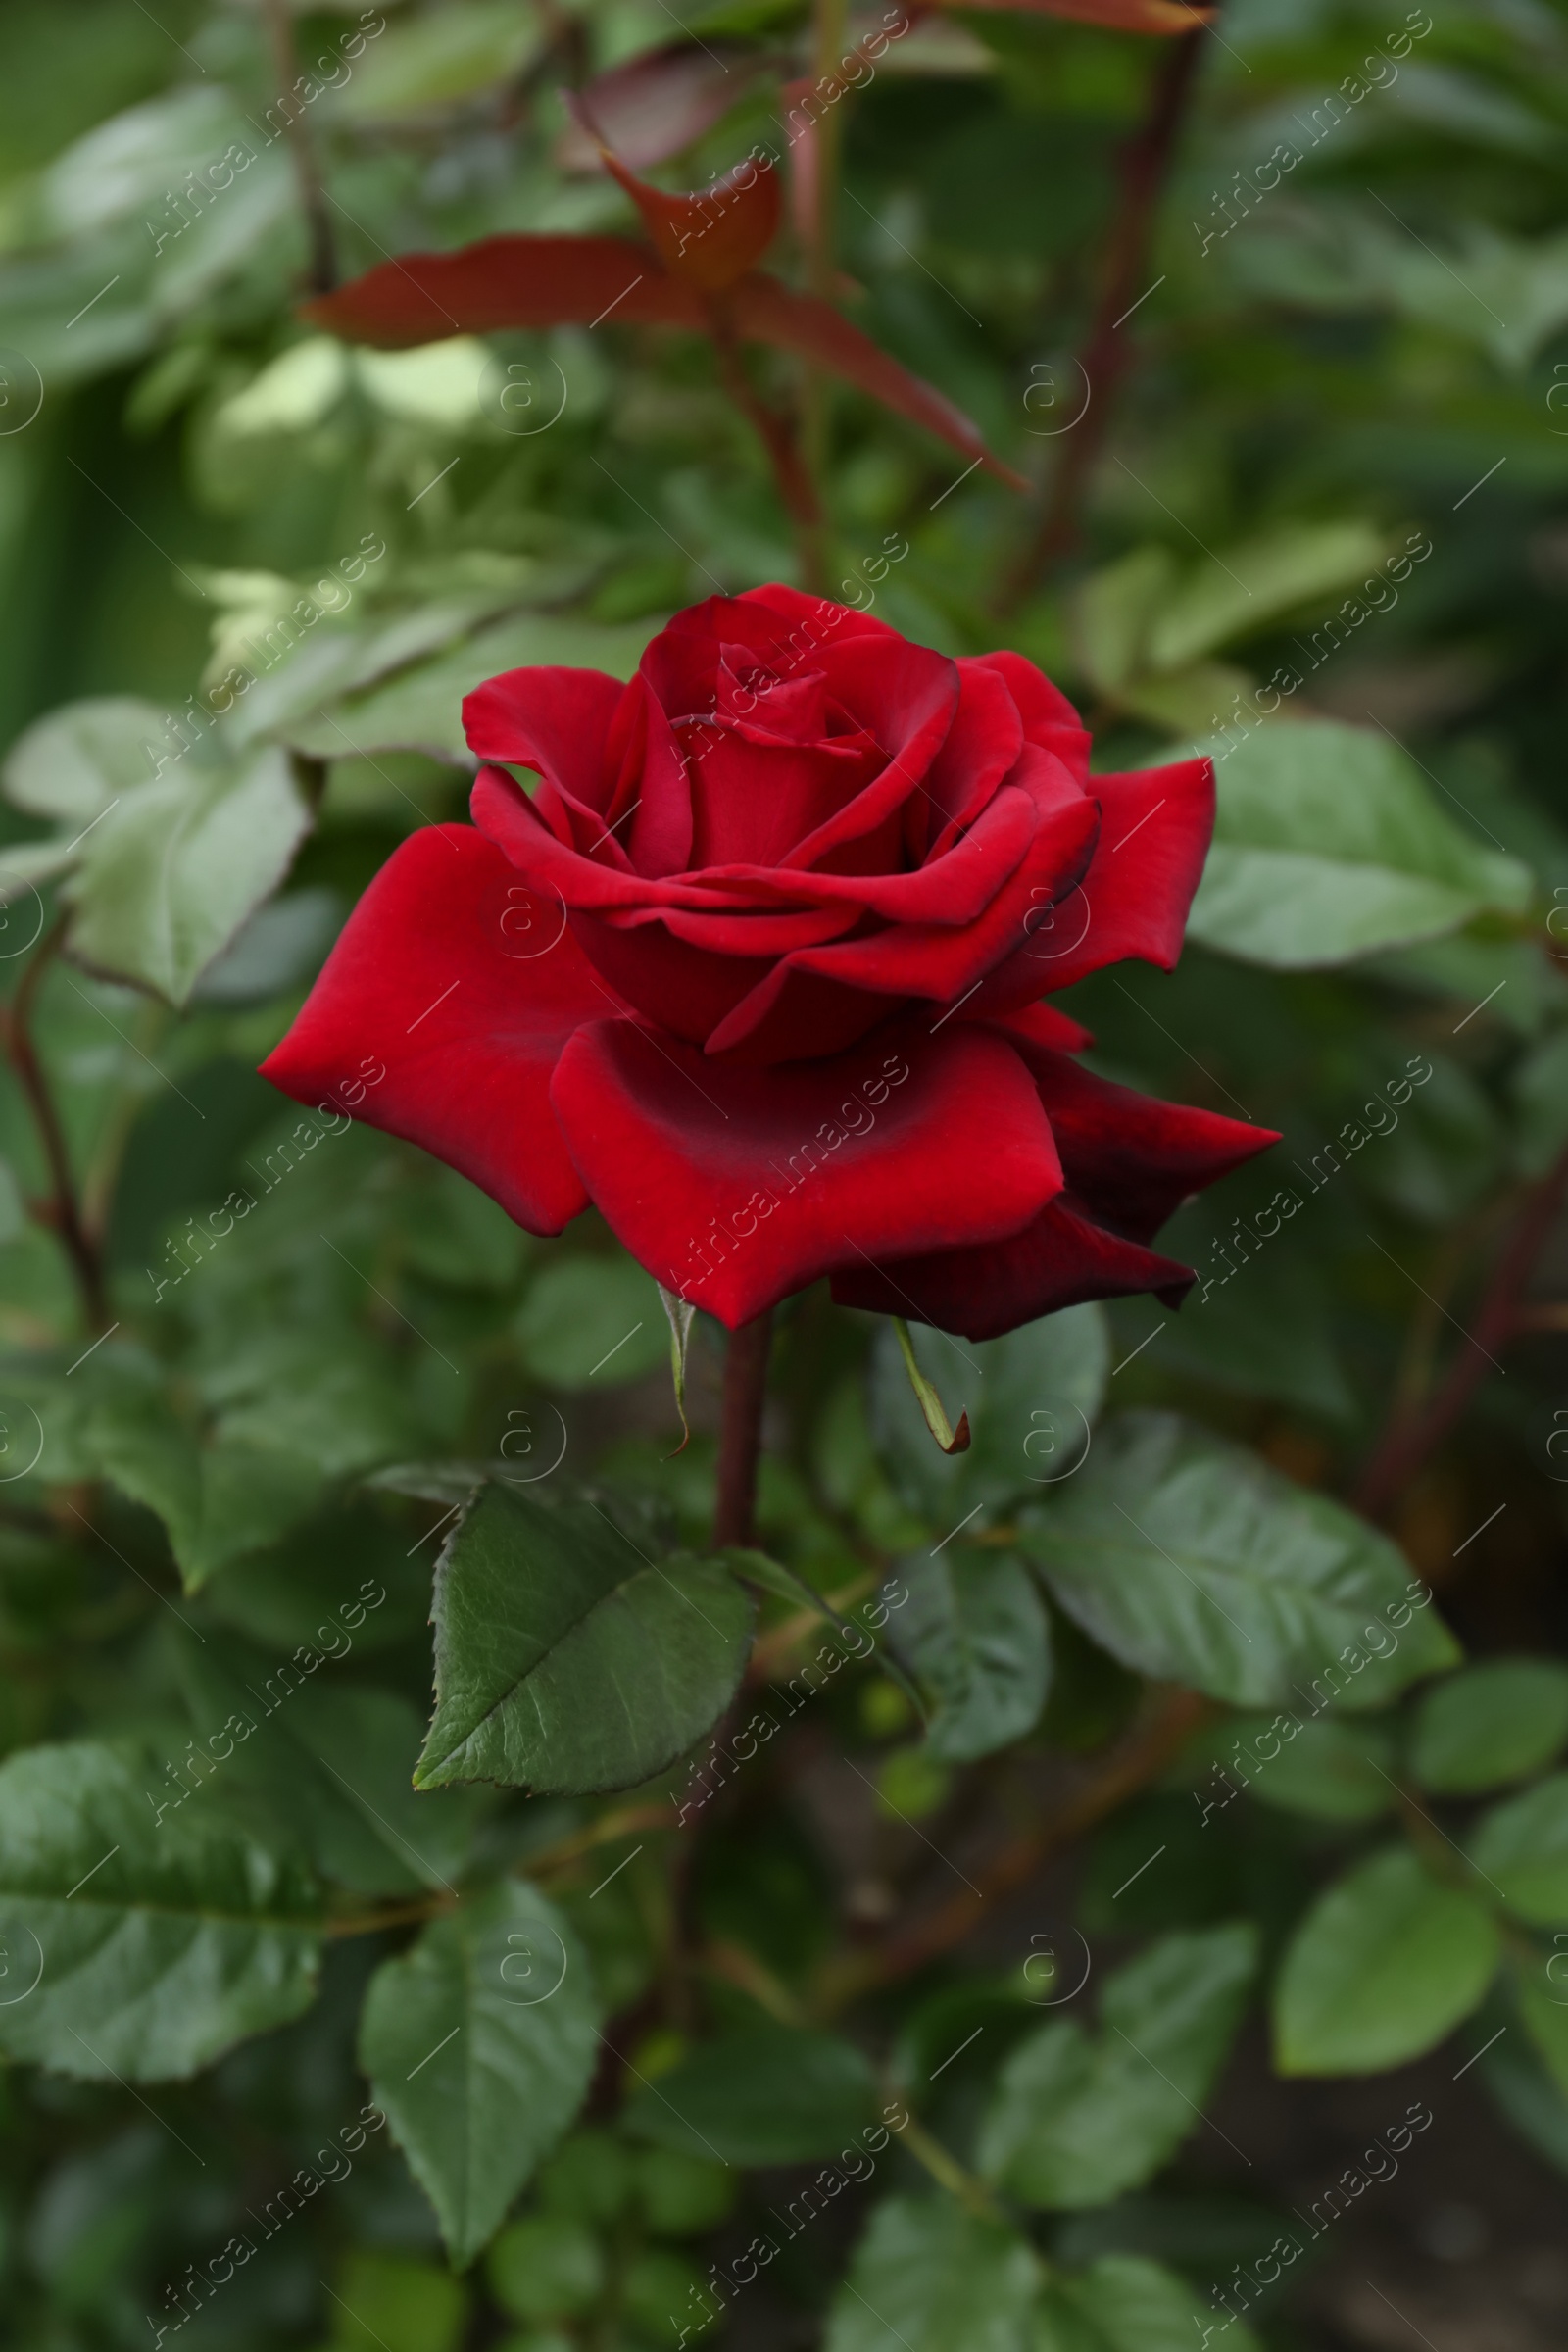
<point x="735" y="1187"/>
<point x="445" y="977"/>
<point x="1062" y="1258"/>
<point x="1131" y="1158"/>
<point x="1135" y="896"/>
<point x="928" y="960"/>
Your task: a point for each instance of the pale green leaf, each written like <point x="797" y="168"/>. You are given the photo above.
<point x="1329" y="843"/>
<point x="1384" y="1966"/>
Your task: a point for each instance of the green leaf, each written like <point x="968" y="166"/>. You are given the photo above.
<point x="480" y="2042"/>
<point x="161" y="1933"/>
<point x="72" y="764"/>
<point x="1523" y="2086"/>
<point x="592" y="1322"/>
<point x="546" y="2267"/>
<point x="929" y="2277"/>
<point x="762" y="2095"/>
<point x="1490" y="1724"/>
<point x="1188" y="1558"/>
<point x="975" y="1634"/>
<point x="218" y="1501"/>
<point x="1522" y="1848"/>
<point x="332" y="1757"/>
<point x="1256" y="583"/>
<point x="420" y="708"/>
<point x="1328" y="844"/>
<point x="567" y="1660"/>
<point x="388" y="2303"/>
<point x="1539" y="1085"/>
<point x="166" y="877"/>
<point x="1382" y="1968"/>
<point x="1543" y="2006"/>
<point x="1329" y="1771"/>
<point x="1076" y="2121"/>
<point x="1123" y="2303"/>
<point x="438" y="60"/>
<point x="1030" y="1398"/>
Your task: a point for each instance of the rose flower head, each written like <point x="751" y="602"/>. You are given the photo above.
<point x="751" y="954"/>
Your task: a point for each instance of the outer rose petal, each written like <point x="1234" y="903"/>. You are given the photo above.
<point x="1062" y="1258"/>
<point x="1134" y="899"/>
<point x="432" y="979"/>
<point x="736" y="1186"/>
<point x="1129" y="1160"/>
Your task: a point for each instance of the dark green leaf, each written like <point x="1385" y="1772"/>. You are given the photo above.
<point x="766" y="2095"/>
<point x="566" y="1659"/>
<point x="1382" y="1968"/>
<point x="1188" y="1558"/>
<point x="1125" y="2304"/>
<point x="1076" y="2121"/>
<point x="161" y="1929"/>
<point x="928" y="2276"/>
<point x="480" y="2042"/>
<point x="592" y="1322"/>
<point x="975" y="1634"/>
<point x="334" y="1759"/>
<point x="1329" y="1771"/>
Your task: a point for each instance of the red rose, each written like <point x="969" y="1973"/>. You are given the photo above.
<point x="755" y="968"/>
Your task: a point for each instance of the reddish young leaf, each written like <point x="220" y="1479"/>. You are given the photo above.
<point x="766" y="311"/>
<point x="553" y="281"/>
<point x="508" y="281"/>
<point x="654" y="105"/>
<point x="711" y="236"/>
<point x="1117" y="16"/>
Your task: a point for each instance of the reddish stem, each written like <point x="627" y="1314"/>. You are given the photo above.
<point x="740" y="1436"/>
<point x="62" y="1212"/>
<point x="1109" y="355"/>
<point x="1409" y="1439"/>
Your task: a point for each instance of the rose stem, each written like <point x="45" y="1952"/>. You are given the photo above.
<point x="323" y="272"/>
<point x="1406" y="1443"/>
<point x="739" y="1434"/>
<point x="1144" y="163"/>
<point x="61" y="1213"/>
